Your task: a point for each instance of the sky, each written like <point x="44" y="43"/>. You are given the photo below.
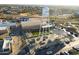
<point x="42" y="2"/>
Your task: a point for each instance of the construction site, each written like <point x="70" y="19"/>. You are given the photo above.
<point x="39" y="30"/>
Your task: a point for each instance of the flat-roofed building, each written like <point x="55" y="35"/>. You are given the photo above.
<point x="3" y="28"/>
<point x="33" y="23"/>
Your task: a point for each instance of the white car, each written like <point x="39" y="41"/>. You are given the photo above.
<point x="49" y="52"/>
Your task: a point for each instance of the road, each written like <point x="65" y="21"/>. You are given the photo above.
<point x="69" y="46"/>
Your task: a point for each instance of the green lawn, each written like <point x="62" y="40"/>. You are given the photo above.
<point x="37" y="33"/>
